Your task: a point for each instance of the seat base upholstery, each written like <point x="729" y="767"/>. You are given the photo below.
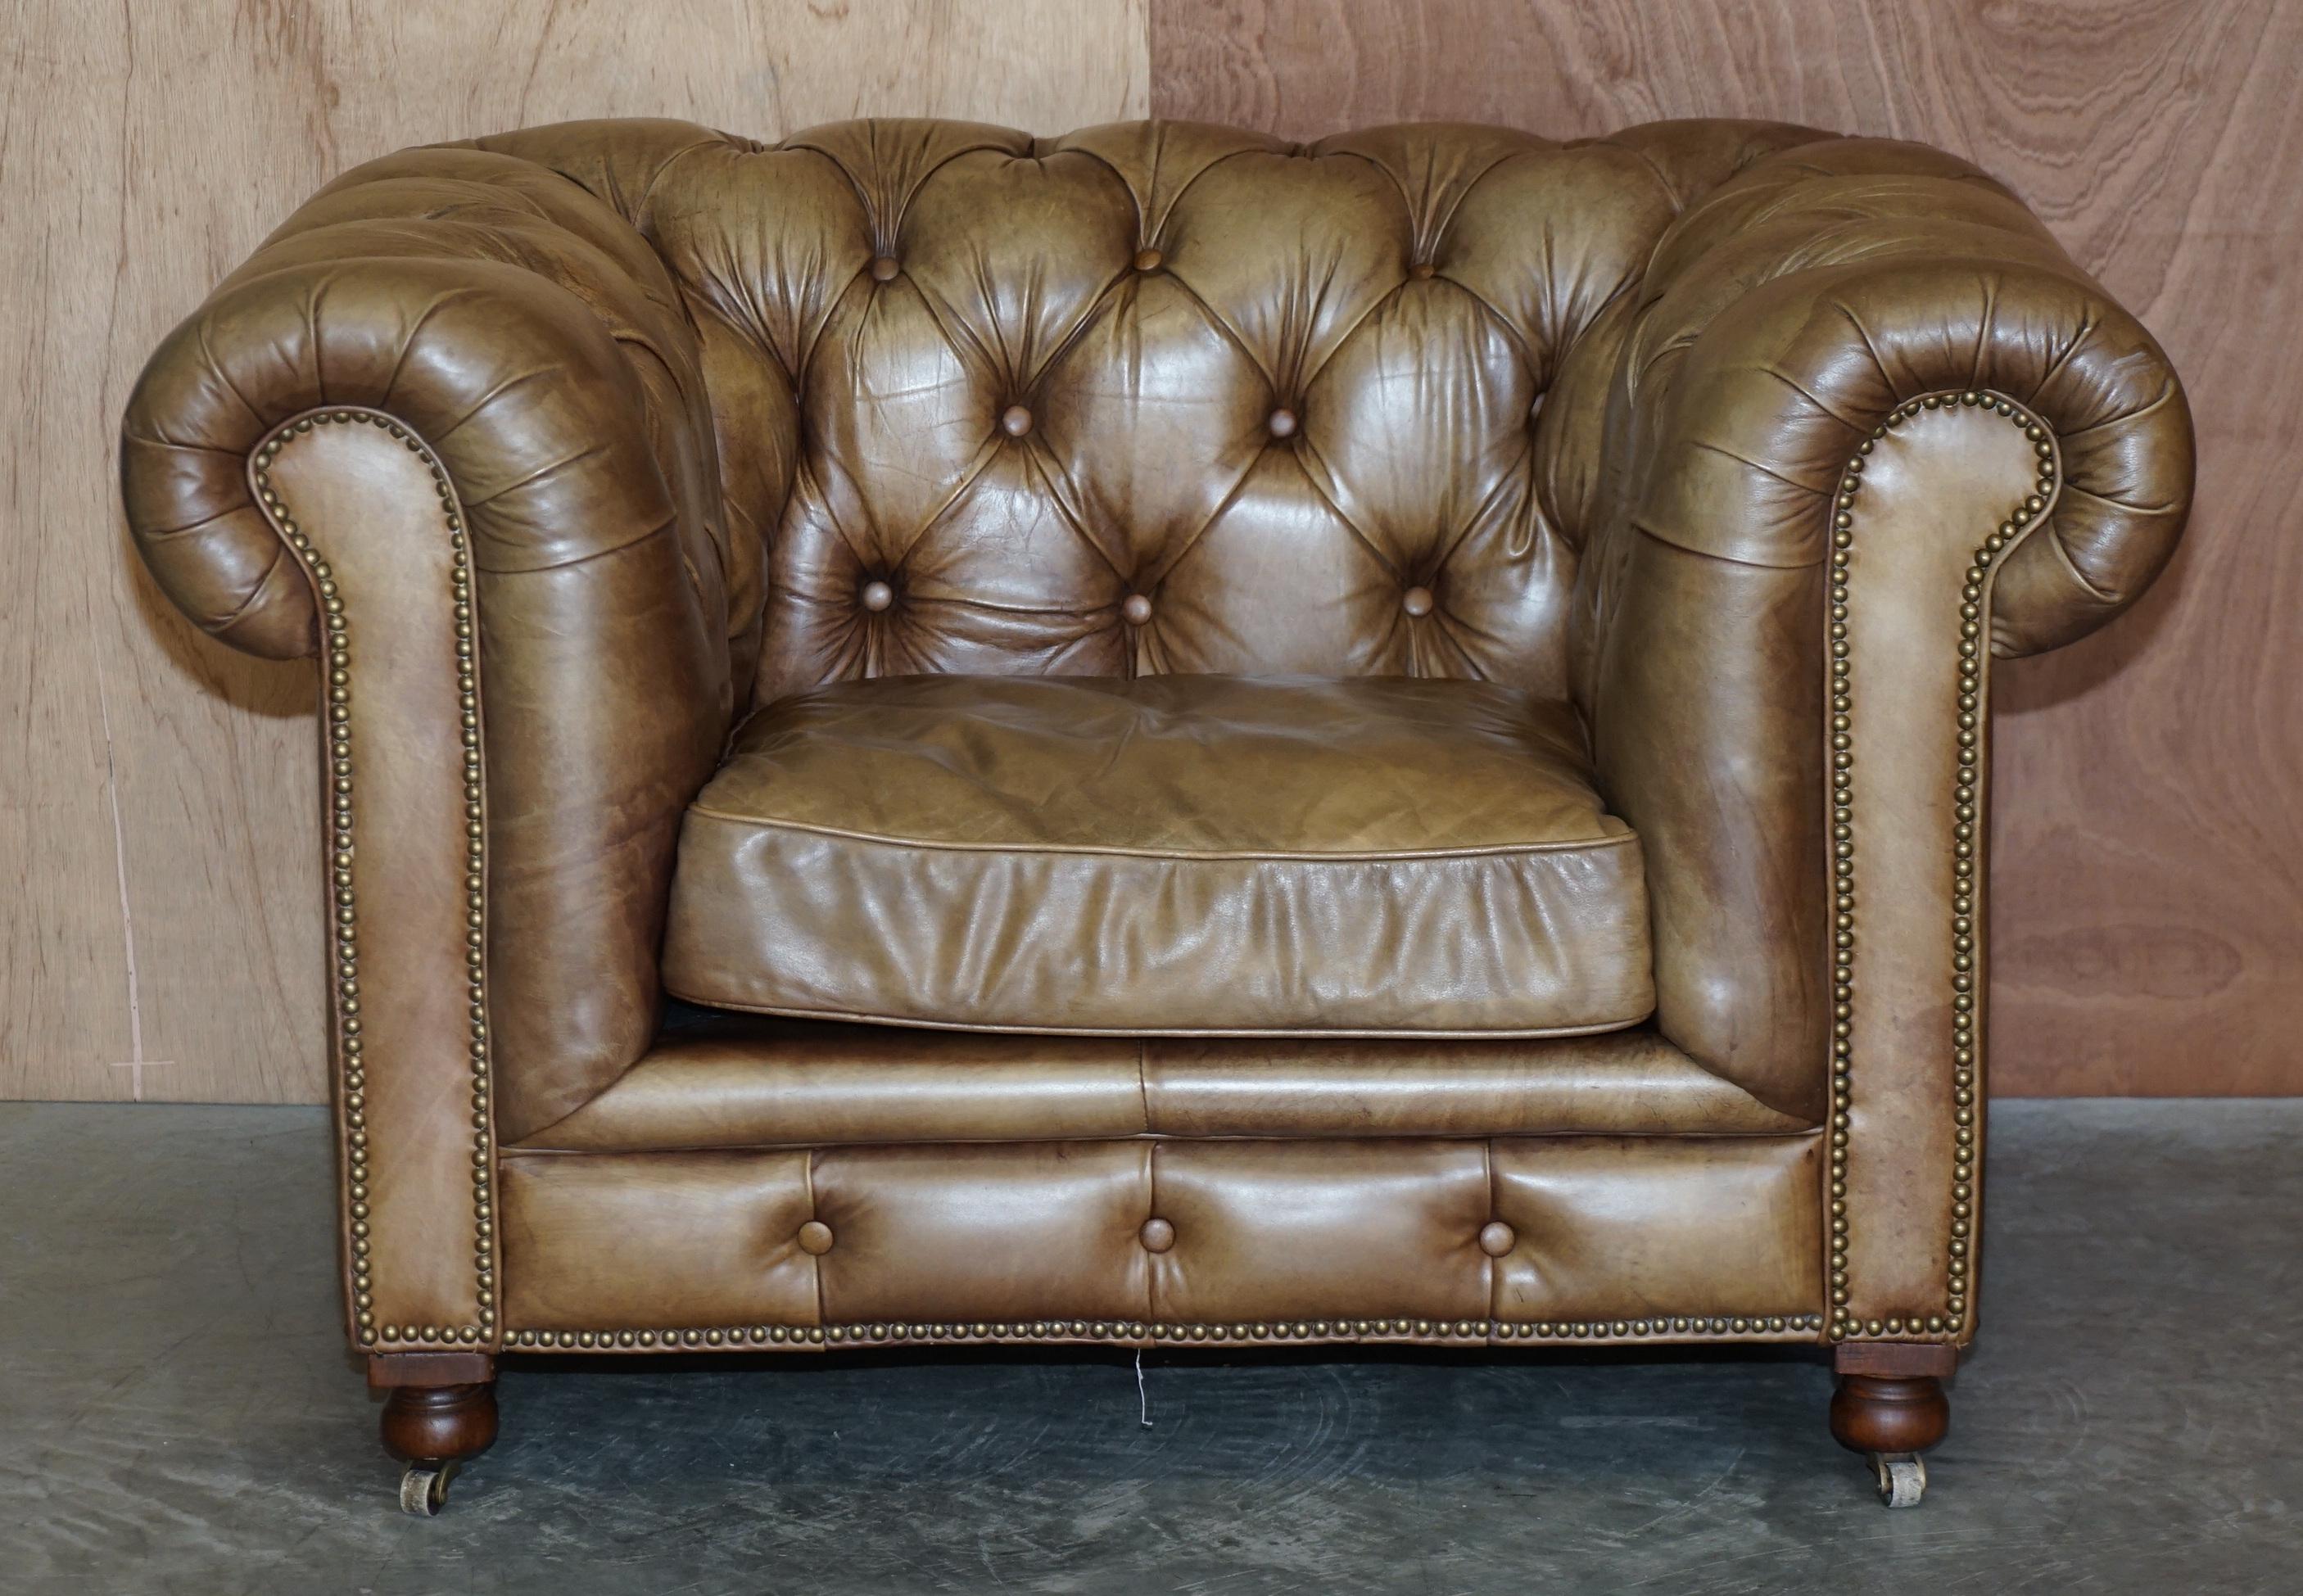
<point x="1165" y="856"/>
<point x="734" y="1080"/>
<point x="1148" y="1240"/>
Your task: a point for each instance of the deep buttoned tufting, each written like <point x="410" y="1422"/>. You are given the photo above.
<point x="1265" y="1239"/>
<point x="1277" y="385"/>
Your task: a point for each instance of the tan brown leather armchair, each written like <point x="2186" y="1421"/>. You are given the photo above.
<point x="1220" y="742"/>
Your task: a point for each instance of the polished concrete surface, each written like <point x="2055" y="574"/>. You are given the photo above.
<point x="177" y="1414"/>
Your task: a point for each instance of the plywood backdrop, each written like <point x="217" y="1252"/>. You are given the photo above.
<point x="156" y="792"/>
<point x="2147" y="864"/>
<point x="158" y="803"/>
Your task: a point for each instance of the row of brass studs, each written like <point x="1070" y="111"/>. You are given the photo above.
<point x="1974" y="641"/>
<point x="343" y="905"/>
<point x="1966" y="978"/>
<point x="1105" y="1329"/>
<point x="1842" y="885"/>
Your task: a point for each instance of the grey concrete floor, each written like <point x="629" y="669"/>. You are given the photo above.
<point x="178" y="1414"/>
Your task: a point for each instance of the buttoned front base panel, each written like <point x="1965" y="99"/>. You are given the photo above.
<point x="738" y="1080"/>
<point x="1202" y="855"/>
<point x="1147" y="1241"/>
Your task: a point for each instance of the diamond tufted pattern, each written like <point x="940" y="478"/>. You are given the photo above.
<point x="1152" y="397"/>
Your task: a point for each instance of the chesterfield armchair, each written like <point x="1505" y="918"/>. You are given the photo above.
<point x="1158" y="738"/>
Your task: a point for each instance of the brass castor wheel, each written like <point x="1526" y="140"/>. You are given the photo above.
<point x="435" y="1431"/>
<point x="424" y="1487"/>
<point x="1903" y="1478"/>
<point x="1890" y="1419"/>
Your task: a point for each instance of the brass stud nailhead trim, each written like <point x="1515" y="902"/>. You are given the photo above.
<point x="1681" y="1327"/>
<point x="342" y="899"/>
<point x="1842" y="1324"/>
<point x="1965" y="854"/>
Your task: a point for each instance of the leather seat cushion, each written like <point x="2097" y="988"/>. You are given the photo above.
<point x="1167" y="856"/>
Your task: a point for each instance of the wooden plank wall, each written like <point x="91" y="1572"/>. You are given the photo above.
<point x="2148" y="922"/>
<point x="156" y="792"/>
<point x="146" y="149"/>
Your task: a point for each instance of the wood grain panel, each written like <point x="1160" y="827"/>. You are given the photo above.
<point x="145" y="150"/>
<point x="2149" y="861"/>
<point x="2148" y="926"/>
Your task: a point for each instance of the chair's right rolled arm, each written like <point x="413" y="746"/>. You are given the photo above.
<point x="1795" y="307"/>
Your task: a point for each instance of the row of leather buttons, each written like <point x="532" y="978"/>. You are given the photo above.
<point x="1158" y="1235"/>
<point x="1496" y="1238"/>
<point x="1016" y="421"/>
<point x="877" y="595"/>
<point x="884" y="268"/>
<point x="1135" y="609"/>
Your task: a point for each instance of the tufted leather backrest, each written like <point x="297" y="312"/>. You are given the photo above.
<point x="1151" y="397"/>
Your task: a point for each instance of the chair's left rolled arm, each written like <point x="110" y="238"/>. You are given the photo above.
<point x="447" y="430"/>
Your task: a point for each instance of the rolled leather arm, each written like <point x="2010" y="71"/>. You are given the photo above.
<point x="500" y="312"/>
<point x="529" y="339"/>
<point x="1865" y="416"/>
<point x="1782" y="320"/>
<point x="1789" y="313"/>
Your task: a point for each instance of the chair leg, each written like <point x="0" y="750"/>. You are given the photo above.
<point x="1890" y="1406"/>
<point x="441" y="1412"/>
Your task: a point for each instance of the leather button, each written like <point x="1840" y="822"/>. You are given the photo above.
<point x="885" y="269"/>
<point x="1283" y="424"/>
<point x="1157" y="1235"/>
<point x="1016" y="421"/>
<point x="1421" y="270"/>
<point x="1497" y="1238"/>
<point x="877" y="595"/>
<point x="1416" y="601"/>
<point x="1148" y="260"/>
<point x="1136" y="608"/>
<point x="815" y="1236"/>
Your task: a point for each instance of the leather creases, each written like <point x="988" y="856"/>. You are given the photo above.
<point x="1176" y="855"/>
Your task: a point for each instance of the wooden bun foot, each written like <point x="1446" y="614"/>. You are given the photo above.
<point x="439" y="1423"/>
<point x="434" y="1420"/>
<point x="1874" y="1414"/>
<point x="1890" y="1406"/>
